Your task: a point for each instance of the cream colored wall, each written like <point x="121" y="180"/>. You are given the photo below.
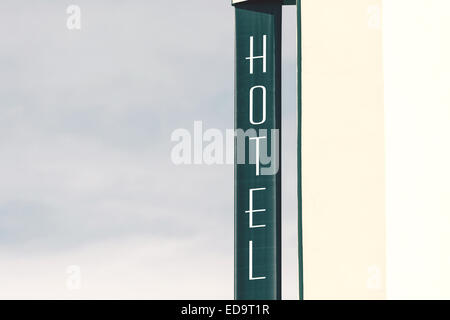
<point x="343" y="150"/>
<point x="417" y="103"/>
<point x="348" y="171"/>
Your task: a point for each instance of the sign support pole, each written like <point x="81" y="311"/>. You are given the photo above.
<point x="299" y="149"/>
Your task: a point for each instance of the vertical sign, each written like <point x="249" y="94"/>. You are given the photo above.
<point x="258" y="151"/>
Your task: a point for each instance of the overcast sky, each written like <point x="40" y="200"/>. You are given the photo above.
<point x="86" y="177"/>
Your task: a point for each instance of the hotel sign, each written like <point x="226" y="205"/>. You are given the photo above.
<point x="258" y="124"/>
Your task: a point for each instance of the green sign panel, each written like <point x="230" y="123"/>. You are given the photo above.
<point x="258" y="151"/>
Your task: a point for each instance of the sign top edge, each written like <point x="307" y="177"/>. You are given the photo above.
<point x="285" y="2"/>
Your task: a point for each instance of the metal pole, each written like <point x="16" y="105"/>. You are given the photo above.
<point x="299" y="148"/>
